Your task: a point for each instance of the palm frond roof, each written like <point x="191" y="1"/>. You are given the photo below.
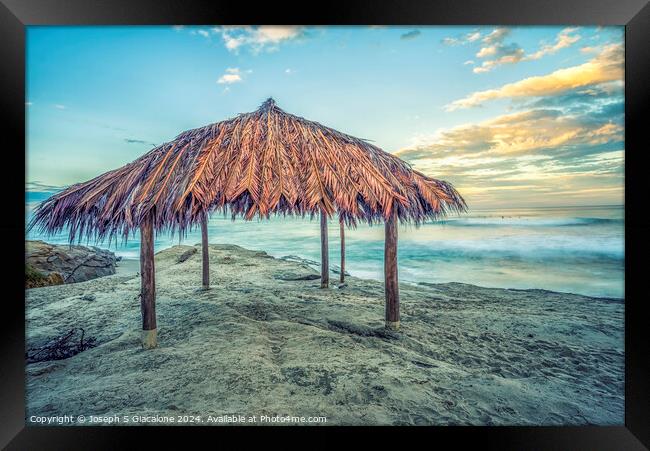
<point x="255" y="164"/>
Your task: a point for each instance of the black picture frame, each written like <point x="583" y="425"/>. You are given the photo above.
<point x="634" y="14"/>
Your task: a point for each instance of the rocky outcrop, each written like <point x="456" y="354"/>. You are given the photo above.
<point x="312" y="264"/>
<point x="187" y="254"/>
<point x="71" y="263"/>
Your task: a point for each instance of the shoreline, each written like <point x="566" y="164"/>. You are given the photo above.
<point x="572" y="251"/>
<point x="130" y="265"/>
<point x="260" y="342"/>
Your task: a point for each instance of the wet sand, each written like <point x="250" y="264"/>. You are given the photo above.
<point x="261" y="342"/>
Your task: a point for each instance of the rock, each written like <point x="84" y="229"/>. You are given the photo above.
<point x="262" y="254"/>
<point x="337" y="270"/>
<point x="35" y="279"/>
<point x="293" y="276"/>
<point x="187" y="254"/>
<point x="72" y="263"/>
<point x="304" y="261"/>
<point x="311" y="263"/>
<point x="88" y="297"/>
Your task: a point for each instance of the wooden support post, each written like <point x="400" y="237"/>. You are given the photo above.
<point x="205" y="252"/>
<point x="390" y="273"/>
<point x="342" y="251"/>
<point x="148" y="284"/>
<point x="324" y="253"/>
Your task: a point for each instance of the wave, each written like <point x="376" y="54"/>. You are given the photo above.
<point x="528" y="247"/>
<point x="504" y="221"/>
<point x="539" y="247"/>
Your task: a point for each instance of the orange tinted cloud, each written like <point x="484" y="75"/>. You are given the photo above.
<point x="515" y="134"/>
<point x="522" y="158"/>
<point x="605" y="67"/>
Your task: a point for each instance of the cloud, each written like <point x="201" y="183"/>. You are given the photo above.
<point x="58" y="106"/>
<point x="496" y="36"/>
<point x="474" y="36"/>
<point x="604" y="100"/>
<point x="589" y="49"/>
<point x="539" y="156"/>
<point x="605" y="67"/>
<point x="410" y="35"/>
<point x="204" y="33"/>
<point x="517" y="133"/>
<point x="467" y="38"/>
<point x="497" y="53"/>
<point x="232" y="75"/>
<point x="564" y="39"/>
<point x="29" y="103"/>
<point x="257" y="39"/>
<point x="139" y="141"/>
<point x="504" y="54"/>
<point x="40" y="187"/>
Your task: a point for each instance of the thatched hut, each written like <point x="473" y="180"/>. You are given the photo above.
<point x="256" y="164"/>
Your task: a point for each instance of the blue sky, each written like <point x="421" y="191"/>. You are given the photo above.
<point x="521" y="116"/>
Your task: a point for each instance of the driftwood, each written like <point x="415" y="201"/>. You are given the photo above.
<point x="61" y="347"/>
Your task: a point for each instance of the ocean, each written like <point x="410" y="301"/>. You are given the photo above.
<point x="568" y="249"/>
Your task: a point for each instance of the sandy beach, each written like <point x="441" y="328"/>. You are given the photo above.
<point x="266" y="340"/>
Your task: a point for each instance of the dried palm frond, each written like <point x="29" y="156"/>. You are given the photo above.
<point x="256" y="164"/>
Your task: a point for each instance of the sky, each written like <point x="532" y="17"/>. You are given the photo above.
<point x="512" y="116"/>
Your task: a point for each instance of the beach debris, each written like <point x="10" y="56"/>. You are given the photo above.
<point x="186" y="255"/>
<point x="71" y="343"/>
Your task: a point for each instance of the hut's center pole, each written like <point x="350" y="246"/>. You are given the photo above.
<point x="390" y="273"/>
<point x="324" y="254"/>
<point x="205" y="250"/>
<point x="342" y="252"/>
<point x="148" y="284"/>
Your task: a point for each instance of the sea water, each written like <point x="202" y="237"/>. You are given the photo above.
<point x="568" y="249"/>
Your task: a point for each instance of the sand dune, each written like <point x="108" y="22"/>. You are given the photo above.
<point x="259" y="343"/>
